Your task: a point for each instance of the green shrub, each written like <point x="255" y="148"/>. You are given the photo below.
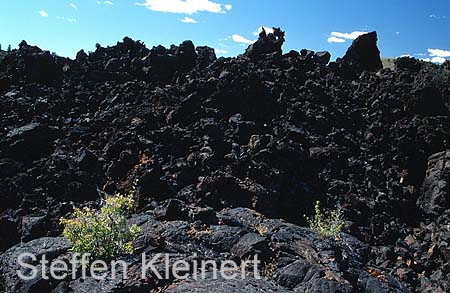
<point x="103" y="233"/>
<point x="327" y="223"/>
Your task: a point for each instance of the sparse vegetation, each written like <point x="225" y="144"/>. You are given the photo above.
<point x="198" y="232"/>
<point x="327" y="223"/>
<point x="103" y="233"/>
<point x="261" y="229"/>
<point x="269" y="269"/>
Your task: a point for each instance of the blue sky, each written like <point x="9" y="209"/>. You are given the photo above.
<point x="418" y="28"/>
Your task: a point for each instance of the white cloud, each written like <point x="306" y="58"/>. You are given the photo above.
<point x="406" y="55"/>
<point x="335" y="40"/>
<point x="439" y="53"/>
<point x="438" y="59"/>
<point x="434" y="59"/>
<point x="338" y="37"/>
<point x="67" y="19"/>
<point x="268" y="30"/>
<point x="228" y="6"/>
<point x="43" y="13"/>
<point x="241" y="39"/>
<point x="223" y="45"/>
<point x="221" y="51"/>
<point x="188" y="20"/>
<point x="435" y="55"/>
<point x="348" y="36"/>
<point x="73" y="6"/>
<point x="109" y="2"/>
<point x="184" y="6"/>
<point x="435" y="16"/>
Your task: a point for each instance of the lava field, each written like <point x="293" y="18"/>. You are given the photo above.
<point x="230" y="154"/>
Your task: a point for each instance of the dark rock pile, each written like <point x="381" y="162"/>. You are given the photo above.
<point x="266" y="44"/>
<point x="230" y="154"/>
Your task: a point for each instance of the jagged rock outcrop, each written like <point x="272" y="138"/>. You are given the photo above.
<point x="363" y="54"/>
<point x="34" y="65"/>
<point x="435" y="197"/>
<point x="266" y="44"/>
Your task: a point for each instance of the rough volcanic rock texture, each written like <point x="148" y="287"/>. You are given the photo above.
<point x="363" y="53"/>
<point x="230" y="154"/>
<point x="435" y="197"/>
<point x="266" y="44"/>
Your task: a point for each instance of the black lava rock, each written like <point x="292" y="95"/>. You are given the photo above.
<point x="436" y="186"/>
<point x="230" y="154"/>
<point x="363" y="54"/>
<point x="266" y="44"/>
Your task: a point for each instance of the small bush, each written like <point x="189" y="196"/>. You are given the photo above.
<point x="327" y="223"/>
<point x="269" y="269"/>
<point x="103" y="233"/>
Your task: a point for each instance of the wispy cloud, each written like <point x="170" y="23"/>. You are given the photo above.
<point x="43" y="13"/>
<point x="109" y="2"/>
<point x="188" y="20"/>
<point x="259" y="30"/>
<point x="336" y="40"/>
<point x="221" y="51"/>
<point x="240" y="39"/>
<point x="185" y="6"/>
<point x="438" y="17"/>
<point x="73" y="6"/>
<point x="338" y="37"/>
<point x="67" y="19"/>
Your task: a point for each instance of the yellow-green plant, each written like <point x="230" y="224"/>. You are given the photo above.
<point x="327" y="223"/>
<point x="103" y="233"/>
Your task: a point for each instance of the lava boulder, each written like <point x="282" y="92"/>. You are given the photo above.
<point x="30" y="142"/>
<point x="364" y="54"/>
<point x="436" y="186"/>
<point x="266" y="44"/>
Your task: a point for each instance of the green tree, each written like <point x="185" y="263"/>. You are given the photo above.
<point x="9" y="48"/>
